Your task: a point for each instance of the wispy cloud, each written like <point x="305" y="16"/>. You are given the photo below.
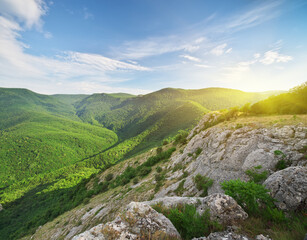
<point x="203" y="66"/>
<point x="191" y="58"/>
<point x="86" y="14"/>
<point x="19" y="67"/>
<point x="275" y="57"/>
<point x="194" y="39"/>
<point x="219" y="50"/>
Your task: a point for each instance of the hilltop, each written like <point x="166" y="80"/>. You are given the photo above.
<point x="56" y="144"/>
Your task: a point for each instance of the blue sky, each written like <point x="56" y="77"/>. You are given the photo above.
<point x="139" y="46"/>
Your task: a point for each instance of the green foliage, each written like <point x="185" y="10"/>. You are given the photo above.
<point x="188" y="222"/>
<point x="180" y="189"/>
<point x="109" y="177"/>
<point x="251" y="196"/>
<point x="198" y="151"/>
<point x="177" y="167"/>
<point x="159" y="150"/>
<point x="159" y="169"/>
<point x="202" y="184"/>
<point x="181" y="137"/>
<point x="292" y="102"/>
<point x="283" y="162"/>
<point x="256" y="175"/>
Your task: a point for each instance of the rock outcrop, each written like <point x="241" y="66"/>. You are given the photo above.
<point x="229" y="235"/>
<point x="228" y="150"/>
<point x="139" y="221"/>
<point x="222" y="208"/>
<point x="289" y="187"/>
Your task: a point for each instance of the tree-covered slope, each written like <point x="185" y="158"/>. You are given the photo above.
<point x="140" y="112"/>
<point x="292" y="102"/>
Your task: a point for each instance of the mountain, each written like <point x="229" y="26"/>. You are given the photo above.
<point x="292" y="102"/>
<point x="226" y="150"/>
<point x="50" y="145"/>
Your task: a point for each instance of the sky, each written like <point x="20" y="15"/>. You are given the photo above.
<point x="140" y="46"/>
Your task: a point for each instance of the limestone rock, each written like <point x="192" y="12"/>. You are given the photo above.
<point x="289" y="187"/>
<point x="222" y="208"/>
<point x="223" y="236"/>
<point x="227" y="152"/>
<point x="229" y="235"/>
<point x="139" y="220"/>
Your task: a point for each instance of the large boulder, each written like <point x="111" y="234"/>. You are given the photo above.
<point x="289" y="187"/>
<point x="222" y="208"/>
<point x="138" y="221"/>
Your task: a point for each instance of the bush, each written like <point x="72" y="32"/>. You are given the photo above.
<point x="256" y="176"/>
<point x="249" y="195"/>
<point x="198" y="151"/>
<point x="203" y="183"/>
<point x="180" y="189"/>
<point x="143" y="171"/>
<point x="188" y="222"/>
<point x="283" y="162"/>
<point x="165" y="142"/>
<point x="159" y="150"/>
<point x="158" y="169"/>
<point x="181" y="137"/>
<point x="109" y="177"/>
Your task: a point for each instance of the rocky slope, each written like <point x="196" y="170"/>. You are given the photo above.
<point x="221" y="151"/>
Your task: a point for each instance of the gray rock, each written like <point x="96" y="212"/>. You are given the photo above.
<point x="1" y="208"/>
<point x="289" y="187"/>
<point x="229" y="235"/>
<point x="139" y="220"/>
<point x="227" y="152"/>
<point x="223" y="236"/>
<point x="222" y="208"/>
<point x="262" y="237"/>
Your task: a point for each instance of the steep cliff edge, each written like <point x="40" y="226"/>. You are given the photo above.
<point x="220" y="150"/>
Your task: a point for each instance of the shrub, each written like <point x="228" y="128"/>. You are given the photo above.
<point x="198" y="151"/>
<point x="256" y="176"/>
<point x="165" y="142"/>
<point x="135" y="180"/>
<point x="188" y="222"/>
<point x="249" y="195"/>
<point x="203" y="183"/>
<point x="143" y="171"/>
<point x="181" y="137"/>
<point x="109" y="177"/>
<point x="159" y="150"/>
<point x="283" y="162"/>
<point x="177" y="167"/>
<point x="180" y="189"/>
<point x="159" y="169"/>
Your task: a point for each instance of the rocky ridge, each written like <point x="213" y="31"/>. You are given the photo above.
<point x="227" y="150"/>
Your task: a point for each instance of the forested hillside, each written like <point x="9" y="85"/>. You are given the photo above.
<point x="49" y="145"/>
<point x="292" y="102"/>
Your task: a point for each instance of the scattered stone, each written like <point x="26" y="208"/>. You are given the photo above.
<point x="138" y="221"/>
<point x="289" y="188"/>
<point x="222" y="208"/>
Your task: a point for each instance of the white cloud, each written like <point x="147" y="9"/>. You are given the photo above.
<point x="87" y="15"/>
<point x="48" y="35"/>
<point x="229" y="50"/>
<point x="28" y="12"/>
<point x="257" y="55"/>
<point x="219" y="50"/>
<point x="203" y="66"/>
<point x="273" y="56"/>
<point x="191" y="58"/>
<point x="21" y="69"/>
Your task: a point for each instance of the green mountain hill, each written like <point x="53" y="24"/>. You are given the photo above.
<point x="292" y="102"/>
